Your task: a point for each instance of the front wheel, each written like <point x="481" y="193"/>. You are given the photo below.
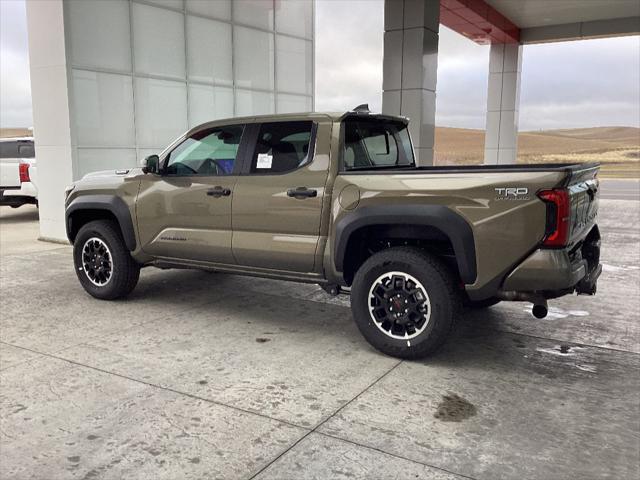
<point x="404" y="302"/>
<point x="102" y="262"/>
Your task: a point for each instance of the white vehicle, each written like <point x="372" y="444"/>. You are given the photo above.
<point x="18" y="174"/>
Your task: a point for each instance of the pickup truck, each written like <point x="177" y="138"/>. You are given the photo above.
<point x="338" y="200"/>
<point x="17" y="172"/>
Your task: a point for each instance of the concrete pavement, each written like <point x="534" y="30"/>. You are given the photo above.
<point x="19" y="230"/>
<point x="202" y="375"/>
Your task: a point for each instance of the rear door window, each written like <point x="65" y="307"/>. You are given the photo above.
<point x="282" y="147"/>
<point x="375" y="143"/>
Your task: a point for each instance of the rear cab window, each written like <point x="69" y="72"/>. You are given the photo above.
<point x="17" y="149"/>
<point x="371" y="143"/>
<point x="282" y="147"/>
<point x="26" y="150"/>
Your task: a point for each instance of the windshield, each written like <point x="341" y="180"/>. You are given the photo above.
<point x="375" y="143"/>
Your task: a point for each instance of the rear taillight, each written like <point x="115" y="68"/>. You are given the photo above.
<point x="558" y="217"/>
<point x="24" y="172"/>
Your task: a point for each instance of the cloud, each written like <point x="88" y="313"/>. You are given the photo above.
<point x="564" y="85"/>
<point x="15" y="89"/>
<point x="349" y="54"/>
<point x="569" y="84"/>
<point x="581" y="84"/>
<point x="461" y="91"/>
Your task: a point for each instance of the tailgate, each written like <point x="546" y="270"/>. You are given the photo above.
<point x="9" y="173"/>
<point x="583" y="187"/>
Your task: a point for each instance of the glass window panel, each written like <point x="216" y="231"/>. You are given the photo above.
<point x="161" y="111"/>
<point x="293" y="103"/>
<point x="96" y="159"/>
<point x="103" y="108"/>
<point x="208" y="103"/>
<point x="26" y="150"/>
<point x="159" y="41"/>
<point x="371" y="144"/>
<point x="295" y="17"/>
<point x="8" y="149"/>
<point x="176" y="4"/>
<point x="258" y="13"/>
<point x="281" y="147"/>
<point x="253" y="59"/>
<point x="209" y="50"/>
<point x="253" y="103"/>
<point x="100" y="34"/>
<point x="217" y="9"/>
<point x="294" y="65"/>
<point x="210" y="152"/>
<point x="17" y="149"/>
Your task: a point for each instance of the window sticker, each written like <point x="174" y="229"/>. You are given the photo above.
<point x="264" y="160"/>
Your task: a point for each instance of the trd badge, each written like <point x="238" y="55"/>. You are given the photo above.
<point x="512" y="193"/>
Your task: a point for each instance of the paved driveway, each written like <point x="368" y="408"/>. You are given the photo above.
<point x="202" y="375"/>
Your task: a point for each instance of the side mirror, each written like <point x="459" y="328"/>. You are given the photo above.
<point x="151" y="164"/>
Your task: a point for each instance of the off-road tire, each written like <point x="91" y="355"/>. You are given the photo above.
<point x="125" y="270"/>
<point x="440" y="286"/>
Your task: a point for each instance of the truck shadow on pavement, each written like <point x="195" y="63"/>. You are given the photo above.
<point x="23" y="214"/>
<point x="282" y="308"/>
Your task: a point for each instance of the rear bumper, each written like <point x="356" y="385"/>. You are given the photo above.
<point x="558" y="272"/>
<point x="26" y="193"/>
<point x="26" y="189"/>
<point x="588" y="285"/>
<point x="546" y="270"/>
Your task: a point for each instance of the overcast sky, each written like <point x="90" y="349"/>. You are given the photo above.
<point x="564" y="85"/>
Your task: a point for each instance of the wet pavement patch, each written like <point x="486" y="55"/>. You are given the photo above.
<point x="454" y="408"/>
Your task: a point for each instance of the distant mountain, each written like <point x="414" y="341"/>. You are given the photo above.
<point x="15" y="132"/>
<point x="623" y="134"/>
<point x="604" y="144"/>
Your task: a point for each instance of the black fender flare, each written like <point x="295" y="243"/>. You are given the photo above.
<point x="438" y="216"/>
<point x="110" y="203"/>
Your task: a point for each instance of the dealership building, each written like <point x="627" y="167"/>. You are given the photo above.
<point x="115" y="80"/>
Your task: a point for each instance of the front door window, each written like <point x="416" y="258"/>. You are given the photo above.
<point x="209" y="152"/>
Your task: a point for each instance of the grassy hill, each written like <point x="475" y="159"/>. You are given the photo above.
<point x="15" y="132"/>
<point x="617" y="148"/>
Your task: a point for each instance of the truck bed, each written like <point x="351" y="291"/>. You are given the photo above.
<point x="550" y="167"/>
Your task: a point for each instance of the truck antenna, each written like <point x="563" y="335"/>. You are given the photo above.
<point x="363" y="108"/>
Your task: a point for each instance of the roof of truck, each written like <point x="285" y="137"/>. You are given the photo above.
<point x="360" y="111"/>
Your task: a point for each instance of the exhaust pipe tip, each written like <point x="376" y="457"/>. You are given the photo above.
<point x="540" y="310"/>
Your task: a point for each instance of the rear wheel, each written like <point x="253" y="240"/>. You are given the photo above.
<point x="102" y="262"/>
<point x="404" y="302"/>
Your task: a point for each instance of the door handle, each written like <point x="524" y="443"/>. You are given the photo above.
<point x="219" y="192"/>
<point x="302" y="192"/>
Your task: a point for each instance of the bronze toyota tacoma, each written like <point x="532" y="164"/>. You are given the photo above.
<point x="338" y="200"/>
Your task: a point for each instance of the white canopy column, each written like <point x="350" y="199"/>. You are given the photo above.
<point x="503" y="104"/>
<point x="410" y="68"/>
